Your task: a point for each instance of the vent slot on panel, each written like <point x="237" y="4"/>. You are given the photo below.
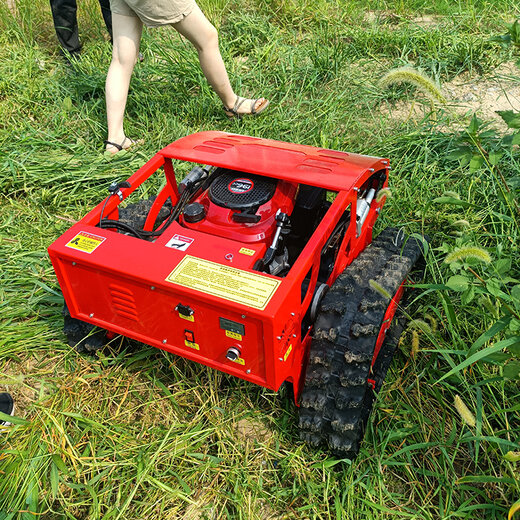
<point x="123" y="302"/>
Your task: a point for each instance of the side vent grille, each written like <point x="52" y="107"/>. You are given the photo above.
<point x="123" y="302"/>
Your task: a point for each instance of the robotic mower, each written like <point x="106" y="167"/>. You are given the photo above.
<point x="259" y="263"/>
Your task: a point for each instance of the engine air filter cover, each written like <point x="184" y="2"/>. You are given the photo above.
<point x="239" y="190"/>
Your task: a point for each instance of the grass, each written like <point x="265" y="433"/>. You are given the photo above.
<point x="139" y="433"/>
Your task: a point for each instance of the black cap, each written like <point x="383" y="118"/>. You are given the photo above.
<point x="194" y="212"/>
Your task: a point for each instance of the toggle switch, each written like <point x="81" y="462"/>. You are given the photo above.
<point x="189" y="336"/>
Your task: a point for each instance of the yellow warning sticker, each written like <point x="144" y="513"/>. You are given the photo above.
<point x="288" y="352"/>
<point x="86" y="242"/>
<point x="240" y="361"/>
<point x="191" y="344"/>
<point x="229" y="283"/>
<point x="245" y="251"/>
<point x="234" y="335"/>
<point x="187" y="318"/>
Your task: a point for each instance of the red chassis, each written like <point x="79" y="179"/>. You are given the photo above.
<point x="196" y="294"/>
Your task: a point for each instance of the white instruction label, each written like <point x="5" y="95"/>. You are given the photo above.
<point x="180" y="242"/>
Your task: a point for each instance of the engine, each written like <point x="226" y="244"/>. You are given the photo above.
<point x="246" y="208"/>
<point x="240" y="206"/>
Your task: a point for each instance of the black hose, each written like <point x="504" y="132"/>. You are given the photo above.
<point x="106" y="223"/>
<point x="175" y="212"/>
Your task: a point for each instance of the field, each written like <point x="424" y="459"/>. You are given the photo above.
<point x="140" y="434"/>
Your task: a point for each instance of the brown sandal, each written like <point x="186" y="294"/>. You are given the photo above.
<point x="121" y="146"/>
<point x="233" y="112"/>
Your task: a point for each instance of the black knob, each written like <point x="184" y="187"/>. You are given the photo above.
<point x="233" y="354"/>
<point x="194" y="212"/>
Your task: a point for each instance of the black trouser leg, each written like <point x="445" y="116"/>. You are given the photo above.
<point x="66" y="24"/>
<point x="107" y="15"/>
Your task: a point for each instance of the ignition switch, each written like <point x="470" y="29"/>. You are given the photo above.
<point x="233" y="354"/>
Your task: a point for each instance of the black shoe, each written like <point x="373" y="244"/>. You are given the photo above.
<point x="71" y="58"/>
<point x="6" y="406"/>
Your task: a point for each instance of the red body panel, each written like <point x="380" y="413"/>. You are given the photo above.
<point x="134" y="287"/>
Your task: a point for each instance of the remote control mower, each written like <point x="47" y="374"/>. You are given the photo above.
<point x="259" y="263"/>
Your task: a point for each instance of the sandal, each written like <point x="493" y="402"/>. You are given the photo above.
<point x="233" y="112"/>
<point x="122" y="145"/>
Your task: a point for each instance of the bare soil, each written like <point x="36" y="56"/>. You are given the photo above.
<point x="467" y="94"/>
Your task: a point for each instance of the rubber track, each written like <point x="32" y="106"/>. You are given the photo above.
<point x="337" y="400"/>
<point x="82" y="336"/>
<point x="135" y="214"/>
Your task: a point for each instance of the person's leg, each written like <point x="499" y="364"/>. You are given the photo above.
<point x="107" y="16"/>
<point x="66" y="24"/>
<point x="127" y="36"/>
<point x="199" y="31"/>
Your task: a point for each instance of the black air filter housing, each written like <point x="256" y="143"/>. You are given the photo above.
<point x="242" y="191"/>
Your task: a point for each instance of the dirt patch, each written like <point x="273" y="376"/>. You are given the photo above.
<point x="381" y="17"/>
<point x="249" y="430"/>
<point x="202" y="508"/>
<point x="22" y="382"/>
<point x="485" y="95"/>
<point x="427" y="20"/>
<point x="391" y="18"/>
<point x="466" y="94"/>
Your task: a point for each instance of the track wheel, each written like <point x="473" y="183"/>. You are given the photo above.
<point x="82" y="336"/>
<point x="354" y="339"/>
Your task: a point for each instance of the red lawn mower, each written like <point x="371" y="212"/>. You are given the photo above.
<point x="259" y="263"/>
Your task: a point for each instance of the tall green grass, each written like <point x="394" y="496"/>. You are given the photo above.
<point x="136" y="433"/>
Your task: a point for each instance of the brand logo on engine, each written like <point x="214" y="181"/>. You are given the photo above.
<point x="241" y="186"/>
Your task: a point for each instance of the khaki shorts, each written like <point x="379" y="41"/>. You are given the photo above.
<point x="154" y="13"/>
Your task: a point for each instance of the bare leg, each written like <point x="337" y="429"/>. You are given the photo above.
<point x="199" y="31"/>
<point x="127" y="36"/>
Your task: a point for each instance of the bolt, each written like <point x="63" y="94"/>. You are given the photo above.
<point x="378" y="210"/>
<point x="248" y="371"/>
<point x="91" y="315"/>
<point x="243" y="316"/>
<point x="73" y="263"/>
<point x="371" y="169"/>
<point x="280" y="359"/>
<point x="278" y="337"/>
<point x="164" y="341"/>
<point x="152" y="288"/>
<point x="294" y="335"/>
<point x="292" y="313"/>
<point x="384" y="162"/>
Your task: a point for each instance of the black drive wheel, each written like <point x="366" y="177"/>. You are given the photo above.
<point x="342" y="380"/>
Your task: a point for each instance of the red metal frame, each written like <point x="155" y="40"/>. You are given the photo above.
<point x="120" y="283"/>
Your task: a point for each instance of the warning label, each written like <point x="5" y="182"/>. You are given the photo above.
<point x="229" y="283"/>
<point x="234" y="335"/>
<point x="180" y="242"/>
<point x="86" y="242"/>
